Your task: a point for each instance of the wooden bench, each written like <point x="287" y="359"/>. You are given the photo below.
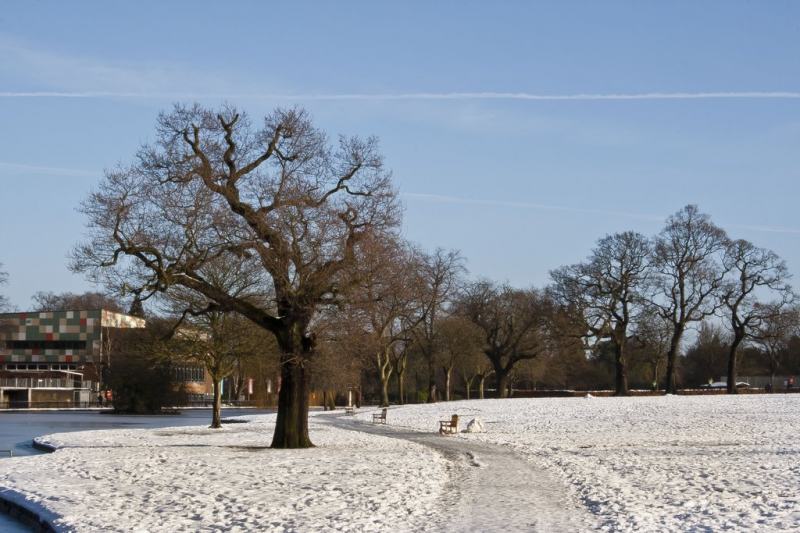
<point x="449" y="426"/>
<point x="349" y="410"/>
<point x="379" y="418"/>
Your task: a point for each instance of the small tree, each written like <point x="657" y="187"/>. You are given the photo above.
<point x="218" y="342"/>
<point x="654" y="337"/>
<point x="774" y="334"/>
<point x="755" y="274"/>
<point x="3" y="280"/>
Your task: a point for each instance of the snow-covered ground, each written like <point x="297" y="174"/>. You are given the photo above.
<point x="197" y="479"/>
<point x="674" y="463"/>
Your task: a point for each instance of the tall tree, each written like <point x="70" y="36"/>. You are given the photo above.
<point x="688" y="276"/>
<point x="382" y="303"/>
<point x="513" y="323"/>
<point x="606" y="293"/>
<point x="437" y="280"/>
<point x="214" y="187"/>
<point x="755" y="274"/>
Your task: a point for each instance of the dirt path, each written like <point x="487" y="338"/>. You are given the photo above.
<point x="490" y="488"/>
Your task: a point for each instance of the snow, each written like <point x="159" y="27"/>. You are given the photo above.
<point x="688" y="463"/>
<point x="195" y="478"/>
<point x="669" y="463"/>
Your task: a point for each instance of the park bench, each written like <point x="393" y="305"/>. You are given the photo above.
<point x="349" y="410"/>
<point x="379" y="418"/>
<point x="448" y="426"/>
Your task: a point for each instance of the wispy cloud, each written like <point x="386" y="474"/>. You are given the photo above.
<point x="444" y="199"/>
<point x="763" y="95"/>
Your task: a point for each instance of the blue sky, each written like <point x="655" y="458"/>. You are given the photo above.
<point x="520" y="185"/>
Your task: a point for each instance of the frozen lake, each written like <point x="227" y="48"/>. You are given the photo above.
<point x="17" y="429"/>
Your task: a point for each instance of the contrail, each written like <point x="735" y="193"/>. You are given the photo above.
<point x="763" y="95"/>
<point x="444" y="199"/>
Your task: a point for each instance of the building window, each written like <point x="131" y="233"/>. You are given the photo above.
<point x="190" y="373"/>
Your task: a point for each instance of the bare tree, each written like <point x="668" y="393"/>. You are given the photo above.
<point x="605" y="294"/>
<point x="437" y="279"/>
<point x="654" y="339"/>
<point x="215" y="188"/>
<point x="754" y="274"/>
<point x="513" y="323"/>
<point x="50" y="301"/>
<point x="399" y="355"/>
<point x="217" y="341"/>
<point x="459" y="341"/>
<point x="774" y="334"/>
<point x="382" y="303"/>
<point x="3" y="280"/>
<point x="688" y="276"/>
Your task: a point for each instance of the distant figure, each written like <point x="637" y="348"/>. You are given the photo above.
<point x="768" y="387"/>
<point x="790" y="382"/>
<point x="100" y="399"/>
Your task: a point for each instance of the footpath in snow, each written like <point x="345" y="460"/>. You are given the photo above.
<point x="491" y="487"/>
<point x="667" y="463"/>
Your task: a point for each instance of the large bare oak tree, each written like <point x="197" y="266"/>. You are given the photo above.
<point x="214" y="186"/>
<point x="688" y="276"/>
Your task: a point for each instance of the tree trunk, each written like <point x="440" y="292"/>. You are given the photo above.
<point x="622" y="370"/>
<point x="502" y="383"/>
<point x="431" y="381"/>
<point x="384" y="363"/>
<point x="216" y="411"/>
<point x="468" y="386"/>
<point x="332" y="400"/>
<point x="732" y="377"/>
<point x="291" y="427"/>
<point x="401" y="387"/>
<point x="384" y="392"/>
<point x="448" y="372"/>
<point x="672" y="359"/>
<point x="481" y="383"/>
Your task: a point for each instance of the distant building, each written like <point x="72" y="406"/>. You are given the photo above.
<point x="56" y="358"/>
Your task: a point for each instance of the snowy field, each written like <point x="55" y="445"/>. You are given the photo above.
<point x="197" y="479"/>
<point x="674" y="463"/>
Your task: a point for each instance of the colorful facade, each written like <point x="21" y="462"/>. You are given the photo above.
<point x="56" y="357"/>
<point x="58" y="336"/>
